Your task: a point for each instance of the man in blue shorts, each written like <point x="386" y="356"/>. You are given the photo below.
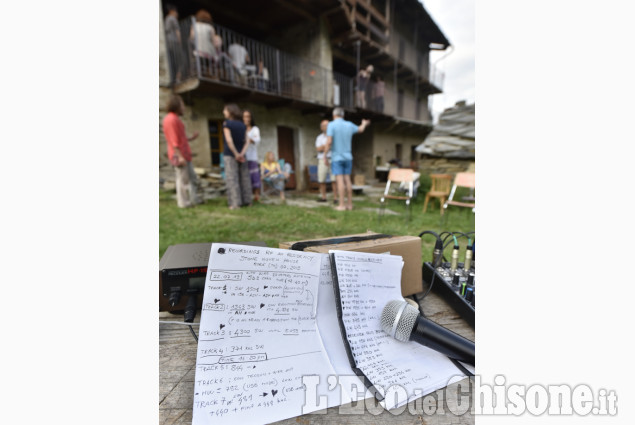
<point x="339" y="141"/>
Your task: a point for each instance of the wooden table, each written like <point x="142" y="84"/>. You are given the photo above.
<point x="177" y="364"/>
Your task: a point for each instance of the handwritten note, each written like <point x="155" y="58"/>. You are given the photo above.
<point x="329" y="327"/>
<point x="366" y="283"/>
<point x="258" y="336"/>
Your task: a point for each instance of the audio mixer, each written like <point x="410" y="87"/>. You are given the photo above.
<point x="453" y="280"/>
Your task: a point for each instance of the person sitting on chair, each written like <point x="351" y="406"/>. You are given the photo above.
<point x="272" y="174"/>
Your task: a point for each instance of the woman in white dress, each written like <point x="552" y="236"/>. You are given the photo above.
<point x="202" y="35"/>
<point x="253" y="139"/>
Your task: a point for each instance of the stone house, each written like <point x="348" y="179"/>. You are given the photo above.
<point x="451" y="146"/>
<point x="312" y="51"/>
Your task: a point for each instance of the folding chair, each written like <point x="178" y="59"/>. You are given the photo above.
<point x="440" y="188"/>
<point x="398" y="175"/>
<point x="285" y="167"/>
<point x="268" y="187"/>
<point x="465" y="180"/>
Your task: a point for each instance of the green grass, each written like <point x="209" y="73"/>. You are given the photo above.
<point x="272" y="224"/>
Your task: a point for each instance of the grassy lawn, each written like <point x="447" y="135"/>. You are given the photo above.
<point x="214" y="222"/>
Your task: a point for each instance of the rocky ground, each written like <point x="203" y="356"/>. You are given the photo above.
<point x="211" y="186"/>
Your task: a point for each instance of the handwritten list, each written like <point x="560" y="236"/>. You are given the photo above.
<point x="258" y="336"/>
<point x="367" y="282"/>
<point x="269" y="318"/>
<point x="330" y="333"/>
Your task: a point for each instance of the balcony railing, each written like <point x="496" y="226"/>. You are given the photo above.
<point x="343" y="91"/>
<point x="270" y="70"/>
<point x="436" y="76"/>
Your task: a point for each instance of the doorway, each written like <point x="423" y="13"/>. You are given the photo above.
<point x="215" y="141"/>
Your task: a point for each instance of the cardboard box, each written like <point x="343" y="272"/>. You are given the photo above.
<point x="408" y="247"/>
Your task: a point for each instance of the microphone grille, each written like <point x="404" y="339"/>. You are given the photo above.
<point x="404" y="323"/>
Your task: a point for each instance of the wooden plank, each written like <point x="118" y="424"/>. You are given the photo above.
<point x="177" y="362"/>
<point x="297" y="10"/>
<point x="337" y="8"/>
<point x="371" y="9"/>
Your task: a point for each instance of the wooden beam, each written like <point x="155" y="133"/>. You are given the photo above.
<point x="315" y="110"/>
<point x="375" y="55"/>
<point x="371" y="9"/>
<point x="370" y="42"/>
<point x="242" y="20"/>
<point x="279" y="103"/>
<point x="338" y="8"/>
<point x="348" y="13"/>
<point x="244" y="94"/>
<point x="349" y="35"/>
<point x="344" y="57"/>
<point x="187" y="85"/>
<point x="297" y="10"/>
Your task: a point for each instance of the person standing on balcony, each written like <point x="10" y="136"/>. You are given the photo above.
<point x="236" y="167"/>
<point x="240" y="59"/>
<point x="363" y="76"/>
<point x="253" y="139"/>
<point x="262" y="76"/>
<point x="324" y="165"/>
<point x="378" y="94"/>
<point x="339" y="139"/>
<point x="179" y="153"/>
<point x="202" y="36"/>
<point x="173" y="41"/>
<point x="224" y="67"/>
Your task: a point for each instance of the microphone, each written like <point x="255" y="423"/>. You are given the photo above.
<point x="403" y="322"/>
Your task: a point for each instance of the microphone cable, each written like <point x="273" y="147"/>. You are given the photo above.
<point x="193" y="333"/>
<point x="189" y="325"/>
<point x="439" y="256"/>
<point x="454" y="238"/>
<point x="461" y="367"/>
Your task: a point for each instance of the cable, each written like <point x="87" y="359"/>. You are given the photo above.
<point x="456" y="243"/>
<point x="428" y="232"/>
<point x="429" y="287"/>
<point x="449" y="235"/>
<point x="461" y="234"/>
<point x="192" y="330"/>
<point x="437" y="254"/>
<point x="182" y="323"/>
<point x="461" y="367"/>
<point x="178" y="323"/>
<point x="437" y="257"/>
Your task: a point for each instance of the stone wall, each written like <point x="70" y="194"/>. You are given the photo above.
<point x="199" y="111"/>
<point x="164" y="74"/>
<point x="386" y="142"/>
<point x="431" y="165"/>
<point x="377" y="143"/>
<point x="310" y="41"/>
<point x="363" y="147"/>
